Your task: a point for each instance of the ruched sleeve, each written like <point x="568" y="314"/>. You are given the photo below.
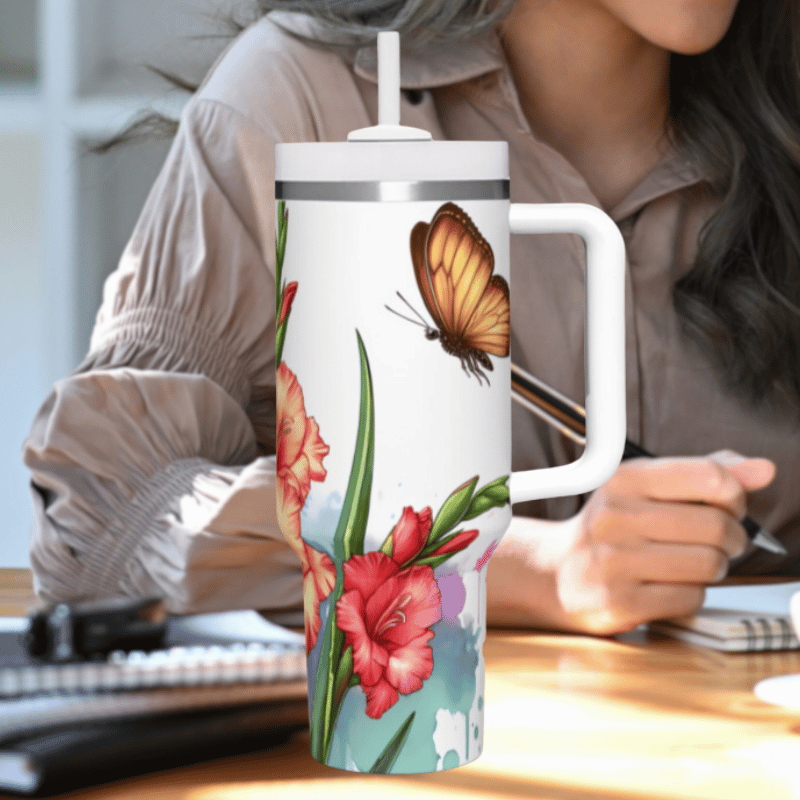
<point x="152" y="465"/>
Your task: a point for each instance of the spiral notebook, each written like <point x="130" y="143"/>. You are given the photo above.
<point x="224" y="684"/>
<point x="211" y="661"/>
<point x="739" y="618"/>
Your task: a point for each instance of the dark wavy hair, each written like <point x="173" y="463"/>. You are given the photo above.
<point x="735" y="112"/>
<point x="355" y="23"/>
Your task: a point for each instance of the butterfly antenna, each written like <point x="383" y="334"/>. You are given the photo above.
<point x="403" y="316"/>
<point x="413" y="309"/>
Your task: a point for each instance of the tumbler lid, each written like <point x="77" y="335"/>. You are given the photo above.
<point x="389" y="151"/>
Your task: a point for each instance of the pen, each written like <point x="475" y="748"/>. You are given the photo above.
<point x="570" y="418"/>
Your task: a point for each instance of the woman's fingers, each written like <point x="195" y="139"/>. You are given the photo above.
<point x="633" y="521"/>
<point x="672" y="563"/>
<point x="681" y="480"/>
<point x="693" y="480"/>
<point x="649" y="539"/>
<point x="752" y="473"/>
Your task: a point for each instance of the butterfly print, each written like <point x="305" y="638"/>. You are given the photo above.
<point x="454" y="266"/>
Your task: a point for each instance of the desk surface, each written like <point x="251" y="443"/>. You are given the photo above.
<point x="567" y="718"/>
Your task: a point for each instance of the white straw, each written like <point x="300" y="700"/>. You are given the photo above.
<point x="388" y="78"/>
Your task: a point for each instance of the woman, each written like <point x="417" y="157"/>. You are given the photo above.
<point x="151" y="464"/>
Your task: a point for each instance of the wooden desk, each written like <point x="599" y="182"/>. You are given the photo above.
<point x="567" y="718"/>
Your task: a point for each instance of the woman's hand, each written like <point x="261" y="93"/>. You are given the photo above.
<point x="644" y="545"/>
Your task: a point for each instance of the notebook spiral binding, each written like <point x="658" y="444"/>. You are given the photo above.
<point x="176" y="666"/>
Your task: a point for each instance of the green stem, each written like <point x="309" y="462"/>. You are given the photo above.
<point x="322" y="678"/>
<point x="349" y="537"/>
<point x="280" y="250"/>
<point x="280" y="337"/>
<point x="387" y="758"/>
<point x="330" y="711"/>
<point x="347" y="541"/>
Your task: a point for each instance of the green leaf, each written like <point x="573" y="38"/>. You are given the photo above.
<point x="349" y="537"/>
<point x="452" y="510"/>
<point x="347" y="541"/>
<point x="330" y="712"/>
<point x="342" y="683"/>
<point x="387" y="548"/>
<point x="493" y="494"/>
<point x="343" y="674"/>
<point x="501" y="481"/>
<point x="433" y="561"/>
<point x="499" y="496"/>
<point x="478" y="506"/>
<point x="499" y="493"/>
<point x="386" y="759"/>
<point x="324" y="679"/>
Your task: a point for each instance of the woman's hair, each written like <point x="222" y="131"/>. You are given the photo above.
<point x="417" y="21"/>
<point x="345" y="26"/>
<point x="735" y="112"/>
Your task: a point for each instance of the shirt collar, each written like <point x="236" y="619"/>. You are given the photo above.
<point x="439" y="65"/>
<point x="672" y="173"/>
<point x="425" y="68"/>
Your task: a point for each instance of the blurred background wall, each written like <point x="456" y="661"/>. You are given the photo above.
<point x="72" y="73"/>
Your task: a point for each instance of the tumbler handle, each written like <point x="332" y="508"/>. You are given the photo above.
<point x="605" y="348"/>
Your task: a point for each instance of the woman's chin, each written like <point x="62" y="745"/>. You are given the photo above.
<point x="693" y="27"/>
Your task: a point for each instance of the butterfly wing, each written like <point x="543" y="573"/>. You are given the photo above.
<point x="490" y="326"/>
<point x="419" y="236"/>
<point x="459" y="266"/>
<point x="454" y="273"/>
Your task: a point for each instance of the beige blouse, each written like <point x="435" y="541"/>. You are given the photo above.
<point x="151" y="464"/>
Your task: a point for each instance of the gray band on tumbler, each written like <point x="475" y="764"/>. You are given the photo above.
<point x="392" y="191"/>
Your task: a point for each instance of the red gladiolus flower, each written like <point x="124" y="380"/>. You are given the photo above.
<point x="288" y="296"/>
<point x="386" y="614"/>
<point x="299" y="458"/>
<point x="299" y="461"/>
<point x="410" y="534"/>
<point x="319" y="576"/>
<point x="458" y="542"/>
